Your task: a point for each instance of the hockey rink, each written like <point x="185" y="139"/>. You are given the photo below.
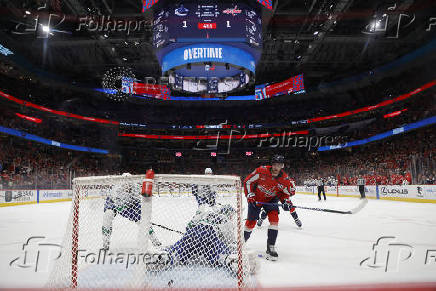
<point x="386" y="242"/>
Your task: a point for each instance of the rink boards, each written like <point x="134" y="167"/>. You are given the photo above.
<point x="409" y="193"/>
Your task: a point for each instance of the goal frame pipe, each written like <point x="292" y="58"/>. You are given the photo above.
<point x="239" y="205"/>
<point x="75" y="237"/>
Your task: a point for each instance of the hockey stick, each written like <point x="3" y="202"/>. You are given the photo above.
<point x="352" y="211"/>
<point x="167" y="228"/>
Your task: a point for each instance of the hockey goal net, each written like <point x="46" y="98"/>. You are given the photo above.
<point x="188" y="234"/>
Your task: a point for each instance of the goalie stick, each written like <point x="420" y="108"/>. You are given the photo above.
<point x="352" y="211"/>
<point x="170" y="229"/>
<point x="167" y="228"/>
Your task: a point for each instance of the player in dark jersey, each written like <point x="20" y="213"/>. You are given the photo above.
<point x="125" y="200"/>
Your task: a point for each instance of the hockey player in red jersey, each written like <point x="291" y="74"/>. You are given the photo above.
<point x="268" y="184"/>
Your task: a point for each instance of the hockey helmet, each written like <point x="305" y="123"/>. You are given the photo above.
<point x="278" y="159"/>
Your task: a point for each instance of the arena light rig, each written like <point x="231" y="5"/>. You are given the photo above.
<point x="113" y="83"/>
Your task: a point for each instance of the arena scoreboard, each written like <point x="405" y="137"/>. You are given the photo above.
<point x="207" y="21"/>
<point x="217" y="42"/>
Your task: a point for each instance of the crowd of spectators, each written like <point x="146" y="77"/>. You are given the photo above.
<point x="402" y="159"/>
<point x="62" y="130"/>
<point x="407" y="158"/>
<point x="27" y="165"/>
<point x="398" y="160"/>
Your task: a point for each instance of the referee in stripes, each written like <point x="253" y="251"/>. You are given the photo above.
<point x="321" y="188"/>
<point x="361" y="183"/>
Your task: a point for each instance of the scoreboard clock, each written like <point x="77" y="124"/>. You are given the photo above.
<point x="208" y="39"/>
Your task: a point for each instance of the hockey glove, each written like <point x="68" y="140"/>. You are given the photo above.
<point x="251" y="198"/>
<point x="287" y="205"/>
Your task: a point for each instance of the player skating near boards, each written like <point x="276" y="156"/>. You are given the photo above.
<point x="124" y="201"/>
<point x="269" y="184"/>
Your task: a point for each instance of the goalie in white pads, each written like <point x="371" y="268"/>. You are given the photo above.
<point x="125" y="201"/>
<point x="209" y="235"/>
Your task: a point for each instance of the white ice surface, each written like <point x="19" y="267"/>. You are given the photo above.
<point x="326" y="251"/>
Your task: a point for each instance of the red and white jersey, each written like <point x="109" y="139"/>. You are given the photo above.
<point x="265" y="188"/>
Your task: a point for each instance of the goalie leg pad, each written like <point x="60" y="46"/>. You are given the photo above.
<point x="199" y="240"/>
<point x="132" y="211"/>
<point x="106" y="228"/>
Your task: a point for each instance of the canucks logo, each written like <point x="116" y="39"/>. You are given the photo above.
<point x="181" y="11"/>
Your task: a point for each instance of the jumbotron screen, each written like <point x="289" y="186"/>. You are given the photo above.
<point x="199" y="21"/>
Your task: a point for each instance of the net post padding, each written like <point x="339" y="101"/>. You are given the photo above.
<point x="86" y="190"/>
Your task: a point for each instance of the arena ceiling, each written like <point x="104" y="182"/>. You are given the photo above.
<point x="324" y="39"/>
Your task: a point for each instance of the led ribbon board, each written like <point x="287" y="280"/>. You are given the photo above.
<point x="292" y="85"/>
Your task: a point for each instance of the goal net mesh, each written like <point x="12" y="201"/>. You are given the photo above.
<point x="187" y="235"/>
